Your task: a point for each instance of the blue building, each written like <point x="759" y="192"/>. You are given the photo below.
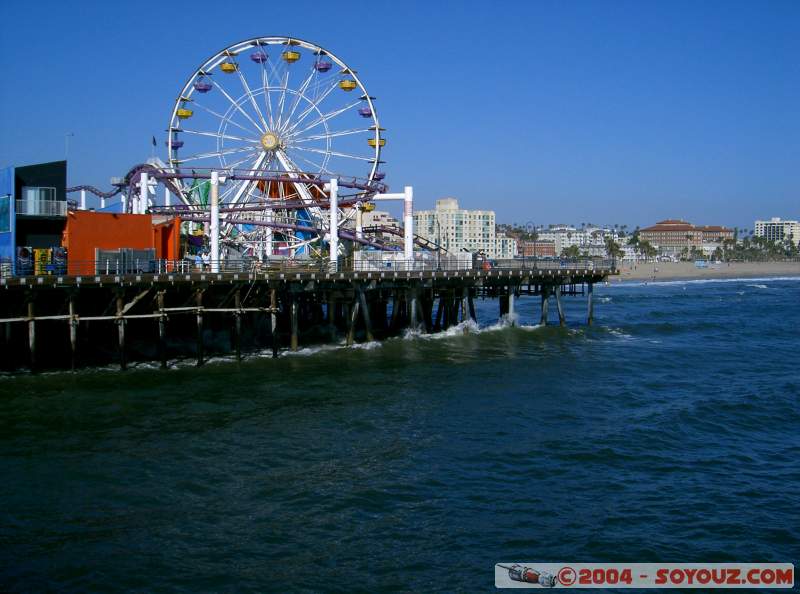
<point x="33" y="211"/>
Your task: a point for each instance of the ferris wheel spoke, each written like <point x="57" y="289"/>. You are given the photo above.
<point x="217" y="135"/>
<point x="239" y="108"/>
<point x="330" y="135"/>
<point x="223" y="118"/>
<point x="313" y="106"/>
<point x="252" y="99"/>
<point x="282" y="100"/>
<point x="216" y="154"/>
<point x="299" y="94"/>
<point x="333" y="153"/>
<point x="317" y="166"/>
<point x="267" y="98"/>
<point x="328" y="116"/>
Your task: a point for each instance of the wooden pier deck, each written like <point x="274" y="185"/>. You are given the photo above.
<point x="61" y="321"/>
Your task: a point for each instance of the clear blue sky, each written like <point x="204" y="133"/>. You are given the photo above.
<point x="616" y="111"/>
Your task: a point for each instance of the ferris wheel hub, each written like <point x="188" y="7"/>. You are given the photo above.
<point x="270" y="141"/>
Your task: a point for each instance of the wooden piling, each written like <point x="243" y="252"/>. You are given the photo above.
<point x="365" y="314"/>
<point x="351" y="332"/>
<point x="273" y="304"/>
<point x="162" y="330"/>
<point x="237" y="325"/>
<point x="123" y="363"/>
<point x="73" y="332"/>
<point x="293" y="321"/>
<point x="471" y="305"/>
<point x="199" y="303"/>
<point x="590" y="303"/>
<point x="439" y="313"/>
<point x="562" y="320"/>
<point x="545" y="291"/>
<point x="32" y="335"/>
<point x="331" y="314"/>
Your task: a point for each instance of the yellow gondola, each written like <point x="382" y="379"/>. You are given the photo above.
<point x="368" y="207"/>
<point x="373" y="143"/>
<point x="291" y="56"/>
<point x="229" y="67"/>
<point x="184" y="113"/>
<point x="347" y="84"/>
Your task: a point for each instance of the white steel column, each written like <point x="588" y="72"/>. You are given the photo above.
<point x="83" y="199"/>
<point x="102" y="203"/>
<point x="334" y="224"/>
<point x="214" y="221"/>
<point x="143" y="190"/>
<point x="408" y="225"/>
<point x="166" y="196"/>
<point x="359" y="221"/>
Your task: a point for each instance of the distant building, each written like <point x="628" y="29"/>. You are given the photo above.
<point x="458" y="229"/>
<point x="672" y="236"/>
<point x="777" y="230"/>
<point x="590" y="240"/>
<point x="381" y="218"/>
<point x="538" y="248"/>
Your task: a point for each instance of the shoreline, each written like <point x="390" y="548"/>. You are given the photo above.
<point x="687" y="271"/>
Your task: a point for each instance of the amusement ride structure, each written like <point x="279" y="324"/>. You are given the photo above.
<point x="276" y="144"/>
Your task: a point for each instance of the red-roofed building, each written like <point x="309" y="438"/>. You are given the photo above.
<point x="674" y="235"/>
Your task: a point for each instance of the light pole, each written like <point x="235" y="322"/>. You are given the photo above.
<point x="438" y="244"/>
<point x="66" y="144"/>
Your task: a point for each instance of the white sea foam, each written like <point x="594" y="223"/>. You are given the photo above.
<point x="701" y="281"/>
<point x="758" y="286"/>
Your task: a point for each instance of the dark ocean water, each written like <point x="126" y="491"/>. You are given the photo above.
<point x="669" y="431"/>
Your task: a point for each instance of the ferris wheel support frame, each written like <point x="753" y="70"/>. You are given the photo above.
<point x="407" y="196"/>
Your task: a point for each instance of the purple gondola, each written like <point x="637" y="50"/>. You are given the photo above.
<point x="176" y="144"/>
<point x="202" y="86"/>
<point x="322" y="65"/>
<point x="258" y="57"/>
<point x="379" y="175"/>
<point x="365" y="112"/>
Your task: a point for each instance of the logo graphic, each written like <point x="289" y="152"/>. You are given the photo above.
<point x="567" y="576"/>
<point x="529" y="575"/>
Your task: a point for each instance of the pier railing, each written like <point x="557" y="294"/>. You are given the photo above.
<point x="127" y="266"/>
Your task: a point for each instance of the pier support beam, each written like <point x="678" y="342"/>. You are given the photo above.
<point x="331" y="313"/>
<point x="545" y="303"/>
<point x="590" y="303"/>
<point x="73" y="333"/>
<point x="237" y="325"/>
<point x="162" y="330"/>
<point x="273" y="304"/>
<point x="200" y="352"/>
<point x="362" y="298"/>
<point x="439" y="312"/>
<point x="471" y="305"/>
<point x="351" y="332"/>
<point x="32" y="335"/>
<point x="123" y="363"/>
<point x="293" y="314"/>
<point x="562" y="320"/>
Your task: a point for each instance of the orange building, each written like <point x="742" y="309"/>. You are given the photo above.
<point x="86" y="231"/>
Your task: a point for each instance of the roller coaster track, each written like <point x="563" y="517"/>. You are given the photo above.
<point x="418" y="239"/>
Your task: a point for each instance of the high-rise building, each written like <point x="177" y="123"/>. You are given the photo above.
<point x="777" y="230"/>
<point x="458" y="229"/>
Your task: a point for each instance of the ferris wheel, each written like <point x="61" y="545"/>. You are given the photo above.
<point x="284" y="110"/>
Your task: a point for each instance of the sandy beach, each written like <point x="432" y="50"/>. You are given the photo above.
<point x="665" y="271"/>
